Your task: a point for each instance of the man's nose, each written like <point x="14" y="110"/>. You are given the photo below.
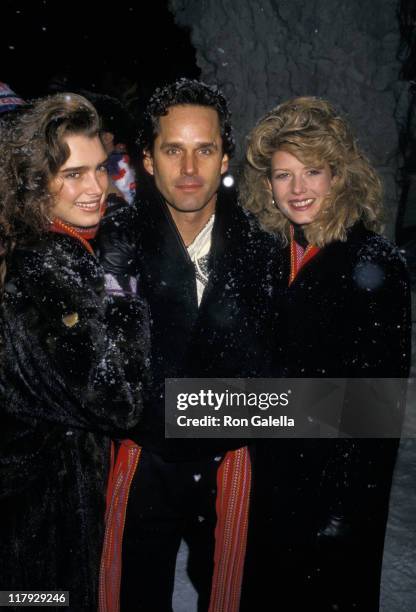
<point x="189" y="164"/>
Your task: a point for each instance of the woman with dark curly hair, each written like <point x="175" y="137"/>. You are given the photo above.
<point x="344" y="312"/>
<point x="70" y="358"/>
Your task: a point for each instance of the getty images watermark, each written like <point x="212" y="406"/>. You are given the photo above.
<point x="219" y="401"/>
<point x="272" y="408"/>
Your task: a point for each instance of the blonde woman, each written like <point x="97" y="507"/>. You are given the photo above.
<point x="344" y="312"/>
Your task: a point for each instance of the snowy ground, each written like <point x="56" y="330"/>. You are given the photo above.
<point x="399" y="568"/>
<point x="184" y="597"/>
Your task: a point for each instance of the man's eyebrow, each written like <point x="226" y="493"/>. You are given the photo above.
<point x="179" y="145"/>
<point x="208" y="144"/>
<point x="167" y="145"/>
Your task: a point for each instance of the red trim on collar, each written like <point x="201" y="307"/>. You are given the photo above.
<point x="59" y="227"/>
<point x="297" y="261"/>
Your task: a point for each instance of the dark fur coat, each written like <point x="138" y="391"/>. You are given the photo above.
<point x="71" y="360"/>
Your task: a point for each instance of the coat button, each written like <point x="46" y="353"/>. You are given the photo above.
<point x="71" y="319"/>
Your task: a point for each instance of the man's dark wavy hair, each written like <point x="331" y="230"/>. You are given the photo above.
<point x="182" y="92"/>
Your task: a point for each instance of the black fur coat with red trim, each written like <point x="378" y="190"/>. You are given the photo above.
<point x="70" y="371"/>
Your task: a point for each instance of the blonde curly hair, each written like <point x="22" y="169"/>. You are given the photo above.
<point x="310" y="129"/>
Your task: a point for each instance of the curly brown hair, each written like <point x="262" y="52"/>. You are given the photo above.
<point x="310" y="129"/>
<point x="32" y="149"/>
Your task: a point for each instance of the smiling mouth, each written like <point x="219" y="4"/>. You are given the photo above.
<point x="301" y="204"/>
<point x="89" y="206"/>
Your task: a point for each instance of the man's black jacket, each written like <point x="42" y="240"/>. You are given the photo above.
<point x="229" y="335"/>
